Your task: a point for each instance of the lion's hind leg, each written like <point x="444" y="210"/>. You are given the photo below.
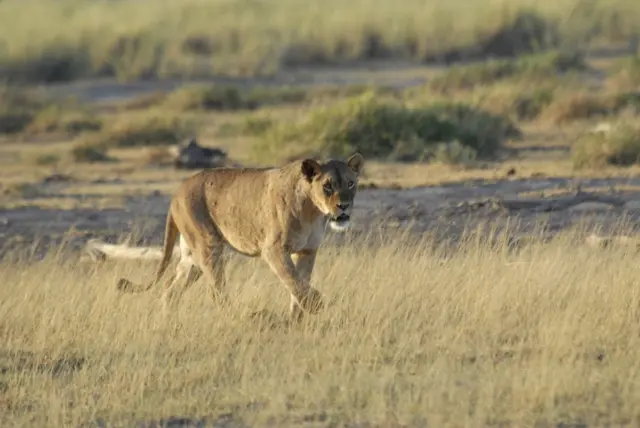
<point x="212" y="263"/>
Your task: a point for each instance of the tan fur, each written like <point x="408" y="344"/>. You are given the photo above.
<point x="279" y="214"/>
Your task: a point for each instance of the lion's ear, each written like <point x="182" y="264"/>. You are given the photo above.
<point x="310" y="168"/>
<point x="356" y="162"/>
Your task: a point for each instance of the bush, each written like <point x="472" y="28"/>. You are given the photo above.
<point x="387" y="130"/>
<point x="138" y="131"/>
<point x="13" y="123"/>
<point x="620" y="146"/>
<point x="17" y="109"/>
<point x="526" y="32"/>
<point x="626" y="74"/>
<point x="86" y="152"/>
<point x="529" y="67"/>
<point x="55" y="62"/>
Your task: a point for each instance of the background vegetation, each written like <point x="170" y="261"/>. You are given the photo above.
<point x="42" y="40"/>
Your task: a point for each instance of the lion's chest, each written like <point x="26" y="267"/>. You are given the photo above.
<point x="306" y="238"/>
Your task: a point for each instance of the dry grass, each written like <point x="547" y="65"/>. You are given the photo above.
<point x="411" y="336"/>
<point x="158" y="156"/>
<point x="133" y="39"/>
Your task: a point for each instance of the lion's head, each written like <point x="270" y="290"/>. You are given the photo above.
<point x="333" y="187"/>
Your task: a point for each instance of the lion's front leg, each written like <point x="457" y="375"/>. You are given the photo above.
<point x="304" y="262"/>
<point x="296" y="281"/>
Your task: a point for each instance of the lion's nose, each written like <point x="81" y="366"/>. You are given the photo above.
<point x="343" y="206"/>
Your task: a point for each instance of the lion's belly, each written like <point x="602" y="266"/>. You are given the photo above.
<point x="252" y="238"/>
<point x="246" y="244"/>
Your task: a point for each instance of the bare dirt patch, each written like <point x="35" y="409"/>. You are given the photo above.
<point x="447" y="210"/>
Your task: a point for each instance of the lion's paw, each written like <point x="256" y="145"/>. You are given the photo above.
<point x="312" y="301"/>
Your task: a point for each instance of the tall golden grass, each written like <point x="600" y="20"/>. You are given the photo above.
<point x="137" y="38"/>
<point x="412" y="335"/>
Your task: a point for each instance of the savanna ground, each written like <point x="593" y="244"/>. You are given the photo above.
<point x="443" y="310"/>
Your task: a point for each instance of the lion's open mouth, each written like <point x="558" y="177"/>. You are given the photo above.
<point x="340" y="223"/>
<point x="342" y="218"/>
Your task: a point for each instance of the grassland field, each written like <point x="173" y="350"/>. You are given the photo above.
<point x="445" y="309"/>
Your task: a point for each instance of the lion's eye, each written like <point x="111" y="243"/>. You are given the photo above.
<point x="351" y="184"/>
<point x="327" y="188"/>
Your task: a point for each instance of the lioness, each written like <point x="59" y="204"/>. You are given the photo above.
<point x="279" y="214"/>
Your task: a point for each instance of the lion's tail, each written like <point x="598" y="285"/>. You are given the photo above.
<point x="170" y="237"/>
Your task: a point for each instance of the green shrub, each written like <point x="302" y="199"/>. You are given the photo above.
<point x="528" y="67"/>
<point x="620" y="146"/>
<point x="387" y="130"/>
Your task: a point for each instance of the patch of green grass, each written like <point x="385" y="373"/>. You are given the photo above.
<point x="453" y="153"/>
<point x="619" y="146"/>
<point x="57" y="119"/>
<point x="149" y="130"/>
<point x="529" y="68"/>
<point x="386" y="129"/>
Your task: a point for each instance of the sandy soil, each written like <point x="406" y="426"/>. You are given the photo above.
<point x="443" y="211"/>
